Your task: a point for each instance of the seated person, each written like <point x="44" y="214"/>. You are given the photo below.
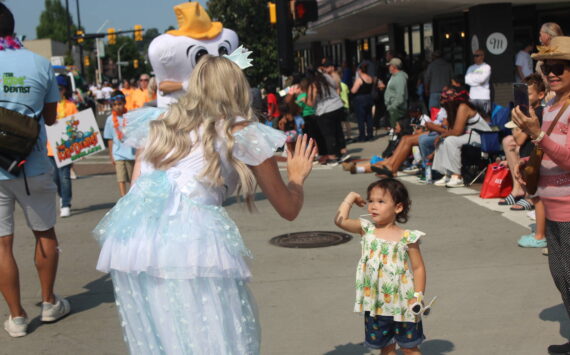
<point x="463" y="118"/>
<point x="408" y="134"/>
<point x="439" y="125"/>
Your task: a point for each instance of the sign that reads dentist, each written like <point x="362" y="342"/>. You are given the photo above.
<point x="497" y="43"/>
<point x="74" y="137"/>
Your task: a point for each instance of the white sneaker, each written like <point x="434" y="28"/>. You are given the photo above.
<point x="65" y="212"/>
<point x="53" y="312"/>
<point x="16" y="327"/>
<point x="442" y="182"/>
<point x="455" y="182"/>
<point x="531" y="215"/>
<point x="411" y="170"/>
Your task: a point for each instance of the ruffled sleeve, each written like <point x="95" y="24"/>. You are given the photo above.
<point x="411" y="237"/>
<point x="367" y="226"/>
<point x="138" y="125"/>
<point x="256" y="143"/>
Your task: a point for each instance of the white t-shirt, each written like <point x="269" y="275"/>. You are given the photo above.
<point x="441" y="116"/>
<point x="524" y="61"/>
<point x="477" y="77"/>
<point x="107" y="91"/>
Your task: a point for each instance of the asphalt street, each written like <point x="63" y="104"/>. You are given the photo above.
<point x="494" y="297"/>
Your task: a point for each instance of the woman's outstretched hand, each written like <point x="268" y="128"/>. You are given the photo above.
<point x="300" y="162"/>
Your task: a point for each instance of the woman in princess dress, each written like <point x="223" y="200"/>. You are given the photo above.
<point x="175" y="257"/>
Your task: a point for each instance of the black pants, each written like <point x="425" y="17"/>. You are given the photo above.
<point x="313" y="131"/>
<point x="363" y="108"/>
<point x="331" y="129"/>
<point x="558" y="240"/>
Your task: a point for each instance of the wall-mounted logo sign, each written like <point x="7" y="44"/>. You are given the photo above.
<point x="497" y="43"/>
<point x="474" y="43"/>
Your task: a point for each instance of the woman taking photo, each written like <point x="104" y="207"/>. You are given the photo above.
<point x="554" y="180"/>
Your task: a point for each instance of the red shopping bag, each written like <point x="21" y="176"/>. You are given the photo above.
<point x="498" y="182"/>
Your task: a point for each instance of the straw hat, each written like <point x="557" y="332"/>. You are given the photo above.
<point x="194" y="22"/>
<point x="559" y="48"/>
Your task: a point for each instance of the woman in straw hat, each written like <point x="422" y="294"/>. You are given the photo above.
<point x="554" y="181"/>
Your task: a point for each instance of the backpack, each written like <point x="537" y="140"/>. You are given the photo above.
<point x="18" y="135"/>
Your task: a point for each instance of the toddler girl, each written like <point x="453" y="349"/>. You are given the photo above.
<point x="390" y="277"/>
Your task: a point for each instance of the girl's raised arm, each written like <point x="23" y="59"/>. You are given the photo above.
<point x="342" y="220"/>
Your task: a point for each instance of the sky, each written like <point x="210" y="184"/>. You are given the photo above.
<point x="120" y="14"/>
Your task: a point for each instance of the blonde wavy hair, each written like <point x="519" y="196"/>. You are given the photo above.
<point x="218" y="91"/>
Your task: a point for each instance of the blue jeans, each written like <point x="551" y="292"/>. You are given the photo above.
<point x="426" y="143"/>
<point x="434" y="98"/>
<point x="363" y="108"/>
<point x="62" y="179"/>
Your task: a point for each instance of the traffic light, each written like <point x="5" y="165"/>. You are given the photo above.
<point x="272" y="13"/>
<point x="86" y="61"/>
<point x="79" y="36"/>
<point x="111" y="36"/>
<point x="138" y="33"/>
<point x="305" y="11"/>
<point x="135" y="63"/>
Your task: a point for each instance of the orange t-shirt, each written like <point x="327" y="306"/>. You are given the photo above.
<point x="140" y="97"/>
<point x="128" y="98"/>
<point x="64" y="108"/>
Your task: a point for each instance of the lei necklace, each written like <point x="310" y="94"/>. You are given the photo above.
<point x="10" y="42"/>
<point x="117" y="125"/>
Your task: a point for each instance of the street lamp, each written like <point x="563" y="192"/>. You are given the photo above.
<point x="119" y="63"/>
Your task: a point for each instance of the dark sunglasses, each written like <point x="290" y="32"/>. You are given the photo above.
<point x="143" y="79"/>
<point x="476" y="55"/>
<point x="556" y="69"/>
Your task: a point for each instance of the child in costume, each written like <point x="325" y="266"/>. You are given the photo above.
<point x="122" y="156"/>
<point x="175" y="257"/>
<point x="390" y="276"/>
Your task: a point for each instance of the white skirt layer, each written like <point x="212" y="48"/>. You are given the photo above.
<point x="200" y="316"/>
<point x="158" y="230"/>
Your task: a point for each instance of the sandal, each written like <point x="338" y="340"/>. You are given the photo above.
<point x="522" y="205"/>
<point x="510" y="200"/>
<point x="382" y="171"/>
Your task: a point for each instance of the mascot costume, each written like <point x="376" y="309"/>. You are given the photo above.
<point x="174" y="55"/>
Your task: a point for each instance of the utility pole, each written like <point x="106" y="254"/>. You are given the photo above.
<point x="80" y="46"/>
<point x="284" y="37"/>
<point x="68" y="18"/>
<point x="119" y="63"/>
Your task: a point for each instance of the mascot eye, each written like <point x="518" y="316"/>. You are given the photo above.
<point x="223" y="51"/>
<point x="199" y="55"/>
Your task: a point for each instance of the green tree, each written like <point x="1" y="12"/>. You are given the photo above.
<point x="53" y="22"/>
<point x="250" y="20"/>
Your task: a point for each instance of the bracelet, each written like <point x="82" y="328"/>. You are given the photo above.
<point x="419" y="296"/>
<point x="539" y="138"/>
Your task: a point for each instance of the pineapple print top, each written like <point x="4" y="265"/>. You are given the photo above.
<point x="384" y="277"/>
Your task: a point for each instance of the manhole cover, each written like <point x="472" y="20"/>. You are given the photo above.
<point x="316" y="239"/>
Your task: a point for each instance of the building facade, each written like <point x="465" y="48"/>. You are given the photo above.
<point x="349" y="31"/>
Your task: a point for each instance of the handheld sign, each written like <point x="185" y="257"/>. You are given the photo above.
<point x="74" y="137"/>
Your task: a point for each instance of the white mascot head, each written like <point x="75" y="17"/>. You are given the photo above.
<point x="174" y="54"/>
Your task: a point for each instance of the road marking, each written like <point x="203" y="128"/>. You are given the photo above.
<point x="518" y="217"/>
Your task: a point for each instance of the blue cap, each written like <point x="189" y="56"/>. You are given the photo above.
<point x="61" y="81"/>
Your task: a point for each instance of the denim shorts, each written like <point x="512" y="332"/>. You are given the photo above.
<point x="381" y="331"/>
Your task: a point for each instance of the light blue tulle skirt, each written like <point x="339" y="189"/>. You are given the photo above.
<point x="179" y="273"/>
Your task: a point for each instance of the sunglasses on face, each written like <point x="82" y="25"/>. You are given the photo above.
<point x="143" y="79"/>
<point x="556" y="69"/>
<point x="476" y="55"/>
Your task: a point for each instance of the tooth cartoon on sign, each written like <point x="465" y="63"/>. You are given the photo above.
<point x="174" y="54"/>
